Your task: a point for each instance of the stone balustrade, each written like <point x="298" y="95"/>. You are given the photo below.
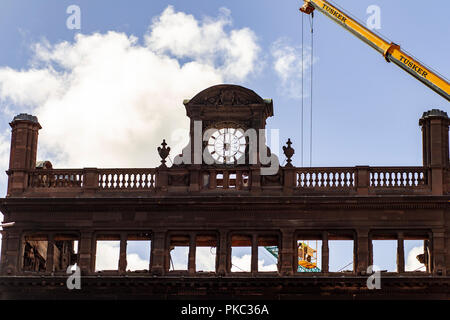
<point x="362" y="180"/>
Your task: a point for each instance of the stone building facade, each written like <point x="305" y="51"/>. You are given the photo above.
<point x="60" y="215"/>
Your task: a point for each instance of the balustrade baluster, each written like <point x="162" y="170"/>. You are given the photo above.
<point x="144" y="182"/>
<point x="326" y="179"/>
<point x="331" y="179"/>
<point x="139" y="181"/>
<point x="150" y="180"/>
<point x="316" y="179"/>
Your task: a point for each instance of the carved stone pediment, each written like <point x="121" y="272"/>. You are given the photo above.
<point x="226" y="95"/>
<point x="229" y="102"/>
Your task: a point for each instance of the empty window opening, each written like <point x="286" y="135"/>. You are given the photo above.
<point x="219" y="180"/>
<point x="241" y="253"/>
<point x="138" y="252"/>
<point x="65" y="252"/>
<point x="35" y="253"/>
<point x="245" y="179"/>
<point x="205" y="254"/>
<point x="309" y="254"/>
<point x="179" y="253"/>
<point x="417" y="255"/>
<point x="206" y="178"/>
<point x="232" y="180"/>
<point x="268" y="254"/>
<point x="107" y="253"/>
<point x="384" y="253"/>
<point x="341" y="254"/>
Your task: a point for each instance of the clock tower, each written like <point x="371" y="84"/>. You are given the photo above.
<point x="226" y="127"/>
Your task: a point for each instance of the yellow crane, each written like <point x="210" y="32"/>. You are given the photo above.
<point x="390" y="51"/>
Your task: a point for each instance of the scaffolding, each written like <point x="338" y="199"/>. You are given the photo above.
<point x="307" y="256"/>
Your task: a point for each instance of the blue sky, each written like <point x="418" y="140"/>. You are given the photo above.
<point x="365" y="111"/>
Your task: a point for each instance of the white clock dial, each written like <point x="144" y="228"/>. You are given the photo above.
<point x="227" y="145"/>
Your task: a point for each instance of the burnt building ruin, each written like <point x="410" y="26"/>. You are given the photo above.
<point x="61" y="215"/>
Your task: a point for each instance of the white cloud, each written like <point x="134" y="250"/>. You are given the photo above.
<point x="4" y="153"/>
<point x="263" y="267"/>
<point x="205" y="259"/>
<point x="182" y="36"/>
<point x="107" y="255"/>
<point x="412" y="264"/>
<point x="106" y="100"/>
<point x="288" y="65"/>
<point x="243" y="263"/>
<point x="20" y="86"/>
<point x="134" y="262"/>
<point x="179" y="258"/>
<point x="4" y="159"/>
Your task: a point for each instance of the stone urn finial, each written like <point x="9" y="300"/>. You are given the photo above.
<point x="288" y="152"/>
<point x="163" y="153"/>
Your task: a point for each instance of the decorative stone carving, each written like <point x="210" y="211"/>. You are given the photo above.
<point x="288" y="152"/>
<point x="163" y="153"/>
<point x="226" y="95"/>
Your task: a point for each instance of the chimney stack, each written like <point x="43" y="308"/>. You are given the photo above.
<point x="435" y="138"/>
<point x="24" y="140"/>
<point x="436" y="148"/>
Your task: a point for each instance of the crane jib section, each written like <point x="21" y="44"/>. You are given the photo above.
<point x="410" y="64"/>
<point x="390" y="51"/>
<point x="339" y="16"/>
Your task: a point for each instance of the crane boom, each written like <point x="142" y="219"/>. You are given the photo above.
<point x="390" y="51"/>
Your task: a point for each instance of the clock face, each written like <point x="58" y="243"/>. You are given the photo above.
<point x="227" y="145"/>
